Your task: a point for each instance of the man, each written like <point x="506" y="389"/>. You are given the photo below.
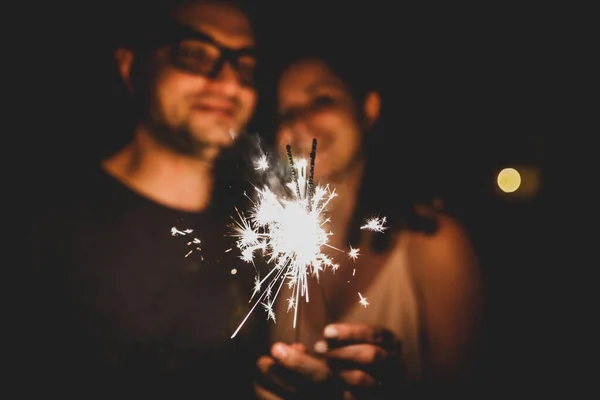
<point x="134" y="283"/>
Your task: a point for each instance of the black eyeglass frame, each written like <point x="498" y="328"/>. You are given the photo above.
<point x="174" y="33"/>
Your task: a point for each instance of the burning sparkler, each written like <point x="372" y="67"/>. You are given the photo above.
<point x="193" y="243"/>
<point x="375" y="224"/>
<point x="291" y="234"/>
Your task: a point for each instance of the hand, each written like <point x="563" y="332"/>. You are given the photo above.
<point x="366" y="358"/>
<point x="290" y="372"/>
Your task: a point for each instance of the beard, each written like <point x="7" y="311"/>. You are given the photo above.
<point x="178" y="139"/>
<point x="181" y="139"/>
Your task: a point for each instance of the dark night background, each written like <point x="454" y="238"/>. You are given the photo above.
<point x="467" y="89"/>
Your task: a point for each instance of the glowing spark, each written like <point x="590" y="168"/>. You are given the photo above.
<point x="257" y="285"/>
<point x="353" y="253"/>
<point x="269" y="308"/>
<point x="375" y="224"/>
<point x="291" y="303"/>
<point x="363" y="300"/>
<point x="177" y="232"/>
<point x="194" y="243"/>
<point x="289" y="232"/>
<point x="262" y="163"/>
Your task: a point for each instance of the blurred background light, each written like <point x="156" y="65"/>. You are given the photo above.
<point x="520" y="182"/>
<point x="509" y="180"/>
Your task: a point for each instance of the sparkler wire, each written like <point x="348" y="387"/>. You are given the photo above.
<point x="290" y="233"/>
<point x="313" y="155"/>
<point x="288" y="149"/>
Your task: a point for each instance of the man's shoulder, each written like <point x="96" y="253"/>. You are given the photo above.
<point x="71" y="192"/>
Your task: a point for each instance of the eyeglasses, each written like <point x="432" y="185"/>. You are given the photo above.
<point x="198" y="53"/>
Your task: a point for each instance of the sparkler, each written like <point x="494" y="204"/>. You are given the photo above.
<point x="193" y="243"/>
<point x="291" y="234"/>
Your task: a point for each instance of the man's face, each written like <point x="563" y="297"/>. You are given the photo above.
<point x="194" y="106"/>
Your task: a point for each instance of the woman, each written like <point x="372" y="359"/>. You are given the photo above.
<point x="420" y="277"/>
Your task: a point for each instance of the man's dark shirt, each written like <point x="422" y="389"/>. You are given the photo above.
<point x="118" y="301"/>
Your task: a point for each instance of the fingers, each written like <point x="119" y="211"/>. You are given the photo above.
<point x="299" y="361"/>
<point x="358" y="379"/>
<point x="347" y="395"/>
<point x="274" y="374"/>
<point x="298" y="346"/>
<point x="360" y="354"/>
<point x="359" y="333"/>
<point x="264" y="394"/>
<point x="291" y="371"/>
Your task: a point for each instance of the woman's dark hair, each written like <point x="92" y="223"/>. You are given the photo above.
<point x="390" y="185"/>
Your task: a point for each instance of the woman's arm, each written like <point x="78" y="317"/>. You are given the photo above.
<point x="448" y="278"/>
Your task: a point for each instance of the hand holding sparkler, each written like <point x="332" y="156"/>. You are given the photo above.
<point x="373" y="354"/>
<point x="357" y="360"/>
<point x="291" y="372"/>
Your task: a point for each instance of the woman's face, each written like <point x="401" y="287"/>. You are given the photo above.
<point x="314" y="103"/>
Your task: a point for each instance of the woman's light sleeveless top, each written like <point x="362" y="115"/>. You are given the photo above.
<point x="392" y="304"/>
